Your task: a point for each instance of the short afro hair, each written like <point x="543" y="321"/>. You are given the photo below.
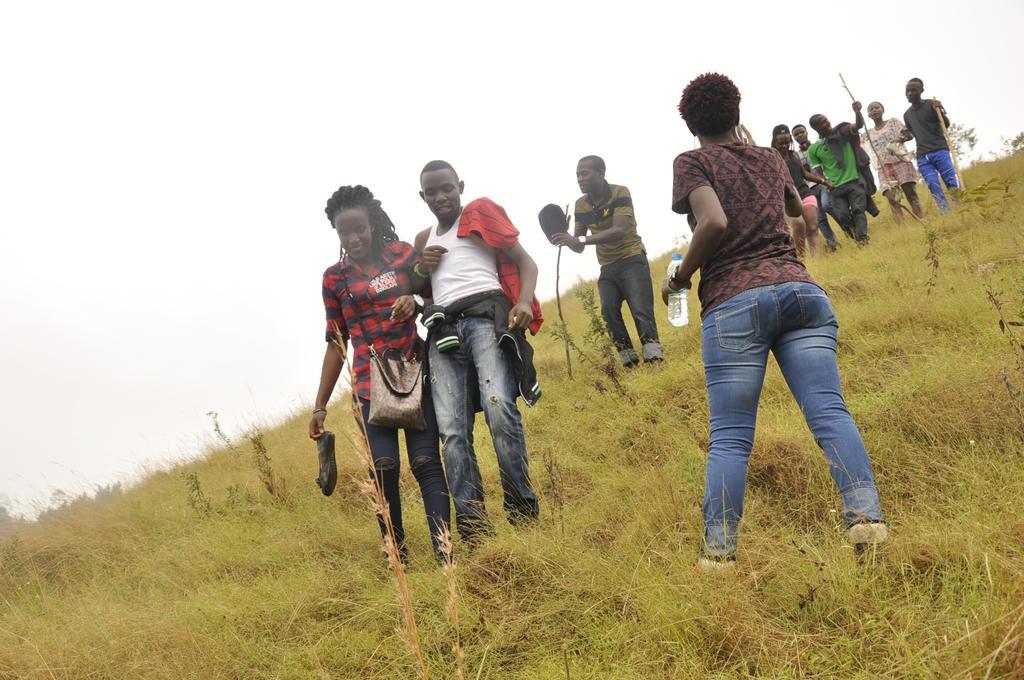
<point x="595" y="161"/>
<point x="918" y="81"/>
<point x="438" y="165"/>
<point x="710" y="105"/>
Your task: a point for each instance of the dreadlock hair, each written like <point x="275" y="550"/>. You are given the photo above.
<point x="358" y="196"/>
<point x="710" y="105"/>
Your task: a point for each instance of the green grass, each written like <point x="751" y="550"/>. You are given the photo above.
<point x="147" y="584"/>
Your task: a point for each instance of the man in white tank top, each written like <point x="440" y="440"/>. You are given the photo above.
<point x="460" y="268"/>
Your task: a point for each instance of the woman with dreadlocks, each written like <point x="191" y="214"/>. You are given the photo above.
<point x="368" y="299"/>
<point x="756" y="297"/>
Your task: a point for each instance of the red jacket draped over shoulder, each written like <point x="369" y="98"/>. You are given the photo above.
<point x="488" y="220"/>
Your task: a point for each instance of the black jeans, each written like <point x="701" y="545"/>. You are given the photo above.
<point x="850" y="203"/>
<point x="628" y="280"/>
<point x="425" y="461"/>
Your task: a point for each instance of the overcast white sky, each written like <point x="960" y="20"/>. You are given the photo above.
<point x="163" y="171"/>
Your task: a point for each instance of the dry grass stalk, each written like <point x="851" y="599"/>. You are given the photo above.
<point x="274" y="485"/>
<point x="452" y="607"/>
<point x="375" y="492"/>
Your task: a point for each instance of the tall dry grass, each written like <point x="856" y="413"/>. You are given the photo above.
<point x="140" y="585"/>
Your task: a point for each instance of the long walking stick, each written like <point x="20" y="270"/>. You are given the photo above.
<point x="949" y="142"/>
<point x="874" y="148"/>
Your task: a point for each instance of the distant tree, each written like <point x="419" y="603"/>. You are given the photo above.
<point x="963" y="138"/>
<point x="107" y="491"/>
<point x="1013" y="145"/>
<point x="5" y="515"/>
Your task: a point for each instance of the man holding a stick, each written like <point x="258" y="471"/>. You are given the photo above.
<point x="606" y="210"/>
<point x="933" y="149"/>
<point x="836" y="155"/>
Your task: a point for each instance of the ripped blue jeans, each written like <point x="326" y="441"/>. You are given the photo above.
<point x="794" y="321"/>
<point x="479" y="366"/>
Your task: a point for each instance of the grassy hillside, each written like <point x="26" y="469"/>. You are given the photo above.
<point x="200" y="572"/>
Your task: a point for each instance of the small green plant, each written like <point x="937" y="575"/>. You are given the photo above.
<point x="224" y="439"/>
<point x="596" y="337"/>
<point x="1007" y="326"/>
<point x="987" y="200"/>
<point x="197" y="500"/>
<point x="238" y="497"/>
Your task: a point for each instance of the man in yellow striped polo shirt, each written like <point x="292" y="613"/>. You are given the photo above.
<point x="606" y="211"/>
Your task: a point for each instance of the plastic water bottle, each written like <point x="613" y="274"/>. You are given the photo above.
<point x="676" y="301"/>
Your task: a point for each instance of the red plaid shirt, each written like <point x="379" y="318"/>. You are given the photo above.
<point x="356" y="300"/>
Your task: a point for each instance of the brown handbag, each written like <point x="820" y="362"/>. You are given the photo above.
<point x="396" y="392"/>
<point x="396" y="386"/>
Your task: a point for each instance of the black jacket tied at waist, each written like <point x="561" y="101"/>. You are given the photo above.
<point x="442" y="330"/>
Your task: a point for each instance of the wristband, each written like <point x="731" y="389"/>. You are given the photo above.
<point x="683" y="286"/>
<point x="417" y="272"/>
<point x="319" y="410"/>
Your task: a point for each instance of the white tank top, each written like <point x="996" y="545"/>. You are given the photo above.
<point x="466" y="269"/>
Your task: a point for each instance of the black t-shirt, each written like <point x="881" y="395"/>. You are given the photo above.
<point x="923" y="122"/>
<point x="796" y="171"/>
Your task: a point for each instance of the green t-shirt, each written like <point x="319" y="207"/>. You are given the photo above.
<point x="821" y="154"/>
<point x="598" y="218"/>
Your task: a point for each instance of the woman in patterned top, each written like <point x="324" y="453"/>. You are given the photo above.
<point x="368" y="299"/>
<point x="892" y="161"/>
<point x="756" y="298"/>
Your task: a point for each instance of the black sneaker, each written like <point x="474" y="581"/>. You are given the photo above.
<point x="328" y="466"/>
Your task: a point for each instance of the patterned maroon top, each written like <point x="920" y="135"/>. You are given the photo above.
<point x="757" y="249"/>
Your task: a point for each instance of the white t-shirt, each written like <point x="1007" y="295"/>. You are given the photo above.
<point x="467" y="268"/>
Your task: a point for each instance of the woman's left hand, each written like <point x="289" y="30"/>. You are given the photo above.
<point x="403" y="309"/>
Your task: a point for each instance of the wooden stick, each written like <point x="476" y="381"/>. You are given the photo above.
<point x="558" y="300"/>
<point x="875" y="149"/>
<point x="871" y="142"/>
<point x="949" y="142"/>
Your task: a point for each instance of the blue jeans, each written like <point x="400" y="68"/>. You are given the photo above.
<point x="628" y="280"/>
<point x="824" y="197"/>
<point x="455" y="377"/>
<point x="794" y="321"/>
<point x="931" y="166"/>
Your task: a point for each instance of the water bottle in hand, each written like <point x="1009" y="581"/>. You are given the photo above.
<point x="676" y="301"/>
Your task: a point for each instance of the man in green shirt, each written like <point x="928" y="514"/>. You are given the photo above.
<point x="606" y="210"/>
<point x="836" y="154"/>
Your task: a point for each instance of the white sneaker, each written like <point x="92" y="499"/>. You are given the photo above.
<point x="712" y="566"/>
<point x="868" y="533"/>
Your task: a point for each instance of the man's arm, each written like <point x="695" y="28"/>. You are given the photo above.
<point x="858" y="121"/>
<point x="906" y="134"/>
<point x="940" y="110"/>
<point x="429" y="260"/>
<point x="521" y="315"/>
<point x="811" y="177"/>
